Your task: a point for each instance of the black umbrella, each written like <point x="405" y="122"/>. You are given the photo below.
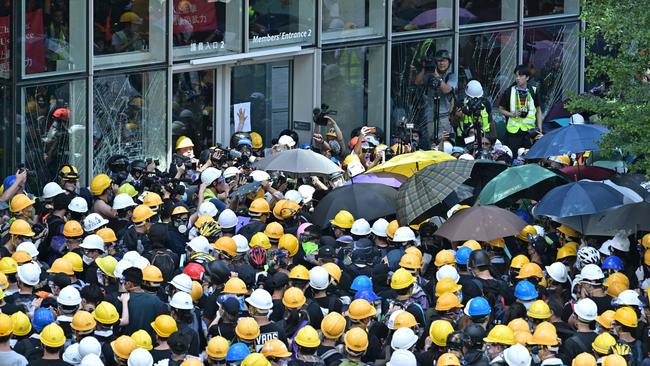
<point x="483" y="172"/>
<point x="363" y="200"/>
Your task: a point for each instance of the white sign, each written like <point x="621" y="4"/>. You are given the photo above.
<point x="242" y="113"/>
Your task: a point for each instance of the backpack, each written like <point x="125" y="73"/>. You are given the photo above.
<point x="495" y="299"/>
<point x="164" y="261"/>
<point x="394" y="305"/>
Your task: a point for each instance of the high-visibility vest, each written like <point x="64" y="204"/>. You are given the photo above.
<point x="468" y="120"/>
<point x="516" y="124"/>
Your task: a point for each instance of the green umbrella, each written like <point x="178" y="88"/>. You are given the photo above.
<point x="524" y="181"/>
<point x="430" y="191"/>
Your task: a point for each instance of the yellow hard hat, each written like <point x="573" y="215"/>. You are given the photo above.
<point x="307" y="337"/>
<point x="8" y="265"/>
<point x="179" y="210"/>
<point x="606" y="318"/>
<point x="646" y="257"/>
<point x="142" y="213"/>
<point x="106" y="313"/>
<point x="192" y="361"/>
<point x="523" y="337"/>
<point x="356" y="339"/>
<point x="142" y="339"/>
<point x="69" y="172"/>
<point x="197" y="291"/>
<point x="614" y="360"/>
<point x="568" y="231"/>
<point x="22" y="325"/>
<point x="404" y="320"/>
<point x="361" y="309"/>
<point x="260" y="206"/>
<point x="392" y="228"/>
<point x="152" y="199"/>
<point x="202" y="220"/>
<point x="290" y="243"/>
<point x="217" y="347"/>
<point x="501" y="334"/>
<point x="73" y="229"/>
<point x="447" y="285"/>
<point x="256" y="140"/>
<point x="52" y="336"/>
<point x="584" y="359"/>
<point x="130" y="17"/>
<point x="299" y="272"/>
<point x="61" y="265"/>
<point x="603" y="343"/>
<point x="545" y="335"/>
<point x="626" y="316"/>
<point x="260" y="240"/>
<point x="6" y="325"/>
<point x="235" y="286"/>
<point x="448" y="359"/>
<point x="445" y="256"/>
<point x="247" y="329"/>
<point x="566" y="251"/>
<point x="127" y="188"/>
<point x="164" y="325"/>
<point x="333" y="325"/>
<point x="293" y="298"/>
<point x="22" y="257"/>
<point x="615" y="288"/>
<point x="617" y="277"/>
<point x="107" y="264"/>
<point x="519" y="325"/>
<point x="572" y="244"/>
<point x="439" y="330"/>
<point x="285" y="209"/>
<point x="527" y="230"/>
<point x="183" y="142"/>
<point x="4" y="283"/>
<point x="22" y="228"/>
<point x="519" y="261"/>
<point x="255" y="359"/>
<point x="350" y="159"/>
<point x="410" y="261"/>
<point x="83" y="321"/>
<point x="99" y="184"/>
<point x="539" y="310"/>
<point x="401" y="279"/>
<point x="497" y="243"/>
<point x="414" y="251"/>
<point x="274" y="230"/>
<point x="76" y="261"/>
<point x="123" y="346"/>
<point x="472" y="244"/>
<point x="20" y="202"/>
<point x="343" y="220"/>
<point x="226" y="245"/>
<point x="448" y="301"/>
<point x="275" y="348"/>
<point x="333" y="270"/>
<point x="152" y="273"/>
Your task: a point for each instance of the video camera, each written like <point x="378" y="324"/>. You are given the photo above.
<point x="319" y="114"/>
<point x="473" y="106"/>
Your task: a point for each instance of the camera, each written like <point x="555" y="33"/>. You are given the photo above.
<point x="430" y="64"/>
<point x="473" y="107"/>
<point x="189" y="165"/>
<point x="319" y="114"/>
<point x="435" y="83"/>
<point x="150" y="160"/>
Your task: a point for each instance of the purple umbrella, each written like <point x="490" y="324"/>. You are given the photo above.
<point x="430" y="17"/>
<point x="387" y="179"/>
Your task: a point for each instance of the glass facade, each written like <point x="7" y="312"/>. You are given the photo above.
<point x="273" y="23"/>
<point x="5" y="39"/>
<point x="475" y="12"/>
<point x="193" y="107"/>
<point x="353" y="19"/>
<point x="422" y="15"/>
<point x="7" y="131"/>
<point x="537" y="8"/>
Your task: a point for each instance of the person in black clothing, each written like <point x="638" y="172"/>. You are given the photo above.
<point x="584" y="314"/>
<point x="258" y="211"/>
<point x="143" y="307"/>
<point x="564" y="330"/>
<point x="226" y="320"/>
<point x="473" y="348"/>
<point x="136" y="236"/>
<point x="52" y="348"/>
<point x="182" y="311"/>
<point x="54" y="241"/>
<point x="179" y="343"/>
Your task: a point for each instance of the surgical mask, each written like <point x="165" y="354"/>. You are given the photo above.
<point x="182" y="229"/>
<point x="87" y="259"/>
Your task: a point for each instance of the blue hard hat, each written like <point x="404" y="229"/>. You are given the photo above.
<point x="9" y="181"/>
<point x="525" y="291"/>
<point x="366" y="294"/>
<point x="245" y="141"/>
<point x="305" y="146"/>
<point x="477" y="306"/>
<point x="42" y="317"/>
<point x="462" y="255"/>
<point x="237" y="352"/>
<point x="362" y="282"/>
<point x="613" y="262"/>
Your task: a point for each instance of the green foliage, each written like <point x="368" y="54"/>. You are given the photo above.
<point x="624" y="25"/>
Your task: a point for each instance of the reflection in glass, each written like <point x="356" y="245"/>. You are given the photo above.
<point x="7" y="142"/>
<point x="54" y="127"/>
<point x="552" y="53"/>
<point x="471" y="11"/>
<point x="489" y="58"/>
<point x="193" y="108"/>
<point x="410" y="15"/>
<point x="267" y="88"/>
<point x="129" y="117"/>
<point x="353" y="85"/>
<point x="536" y="8"/>
<point x="206" y="27"/>
<point x="353" y="18"/>
<point x="5" y="39"/>
<point x="51" y="42"/>
<point x="278" y="22"/>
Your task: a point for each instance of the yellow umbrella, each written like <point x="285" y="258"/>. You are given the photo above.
<point x="408" y="164"/>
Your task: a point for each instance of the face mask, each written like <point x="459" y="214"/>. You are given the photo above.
<point x="182" y="229"/>
<point x="87" y="259"/>
<point x="184" y="198"/>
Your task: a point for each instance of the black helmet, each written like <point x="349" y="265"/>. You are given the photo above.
<point x="234" y="139"/>
<point x="475" y="334"/>
<point x="478" y="258"/>
<point x="456" y="340"/>
<point x="138" y="164"/>
<point x="443" y="54"/>
<point x="218" y="271"/>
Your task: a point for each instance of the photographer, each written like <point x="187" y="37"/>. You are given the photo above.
<point x="184" y="164"/>
<point x="440" y="81"/>
<point x="472" y="106"/>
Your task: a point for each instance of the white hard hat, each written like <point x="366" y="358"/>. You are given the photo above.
<point x="182" y="300"/>
<point x="286" y="140"/>
<point x="466" y="157"/>
<point x="90" y="345"/>
<point x="558" y="272"/>
<point x="242" y="243"/>
<point x="447" y="147"/>
<point x="29" y="273"/>
<point x="131" y="256"/>
<point x="447" y="271"/>
<point x="93" y="222"/>
<point x="141" y="263"/>
<point x="52" y="189"/>
<point x="209" y="175"/>
<point x="230" y="172"/>
<point x="227" y="219"/>
<point x="403" y="338"/>
<point x="260" y="299"/>
<point x="294" y="196"/>
<point x="140" y="357"/>
<point x="93" y="241"/>
<point x="78" y="204"/>
<point x="620" y="242"/>
<point x="517" y="355"/>
<point x="627" y="297"/>
<point x="391" y="319"/>
<point x="71" y="354"/>
<point x="577" y="119"/>
<point x="122" y="201"/>
<point x="260" y="175"/>
<point x="591" y="272"/>
<point x="540" y="230"/>
<point x="29" y="247"/>
<point x="121" y="266"/>
<point x="69" y="296"/>
<point x="306" y="192"/>
<point x="474" y="89"/>
<point x="208" y="208"/>
<point x="91" y="360"/>
<point x="319" y="278"/>
<point x="200" y="244"/>
<point x="360" y="227"/>
<point x="586" y="309"/>
<point x="182" y="282"/>
<point x="402" y="357"/>
<point x="379" y="227"/>
<point x="604" y="248"/>
<point x="403" y="234"/>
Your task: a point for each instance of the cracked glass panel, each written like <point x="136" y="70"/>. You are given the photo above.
<point x="129" y="118"/>
<point x="552" y="53"/>
<point x="54" y="130"/>
<point x="193" y="108"/>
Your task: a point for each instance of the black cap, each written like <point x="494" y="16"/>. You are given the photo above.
<point x="231" y="306"/>
<point x="327" y="241"/>
<point x="61" y="280"/>
<point x="326" y="252"/>
<point x="279" y="280"/>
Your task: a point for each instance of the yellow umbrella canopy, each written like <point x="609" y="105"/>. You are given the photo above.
<point x="408" y="164"/>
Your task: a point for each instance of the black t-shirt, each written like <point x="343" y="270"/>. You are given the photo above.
<point x="580" y="342"/>
<point x="160" y="354"/>
<point x="42" y="362"/>
<point x="143" y="309"/>
<point x="604" y="303"/>
<point x="330" y="355"/>
<point x="270" y="331"/>
<point x="278" y="310"/>
<point x="226" y="330"/>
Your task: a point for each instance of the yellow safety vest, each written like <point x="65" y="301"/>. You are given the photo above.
<point x="516" y="124"/>
<point x="485" y="118"/>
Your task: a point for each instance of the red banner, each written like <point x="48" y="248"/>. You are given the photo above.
<point x="191" y="16"/>
<point x="5" y="42"/>
<point x="34" y="42"/>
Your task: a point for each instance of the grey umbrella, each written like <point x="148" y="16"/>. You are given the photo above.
<point x="298" y="162"/>
<point x="482" y="223"/>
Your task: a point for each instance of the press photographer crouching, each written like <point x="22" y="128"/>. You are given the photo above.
<point x="472" y="119"/>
